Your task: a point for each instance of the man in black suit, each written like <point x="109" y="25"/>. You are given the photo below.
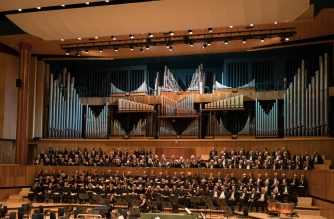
<point x="243" y="198"/>
<point x="317" y="159"/>
<point x="262" y="200"/>
<point x="232" y="198"/>
<point x="252" y="199"/>
<point x="286" y="191"/>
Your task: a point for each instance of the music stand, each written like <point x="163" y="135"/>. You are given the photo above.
<point x="211" y="207"/>
<point x="152" y="204"/>
<point x="173" y="199"/>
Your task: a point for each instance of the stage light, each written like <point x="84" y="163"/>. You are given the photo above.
<point x="79" y="38"/>
<point x="86" y="50"/>
<point x="275" y="22"/>
<point x="38" y="8"/>
<point x="101" y="50"/>
<point x="106" y="1"/>
<point x="231" y="26"/>
<point x="141" y="50"/>
<point x="171" y="33"/>
<point x="131" y="36"/>
<point x="116" y="49"/>
<point x="167" y="45"/>
<point x="210" y="30"/>
<point x="131" y="48"/>
<point x="19" y="9"/>
<point x="209" y="43"/>
<point x="147" y="47"/>
<point x="113" y="37"/>
<point x="244" y="40"/>
<point x="191" y="44"/>
<point x="287" y="38"/>
<point x="226" y="41"/>
<point x="190" y="31"/>
<point x="150" y="34"/>
<point x="67" y="52"/>
<point x="62" y="5"/>
<point x="77" y="53"/>
<point x="62" y="39"/>
<point x="204" y="45"/>
<point x="170" y="48"/>
<point x="262" y="40"/>
<point x="96" y="37"/>
<point x="251" y="25"/>
<point x="87" y="3"/>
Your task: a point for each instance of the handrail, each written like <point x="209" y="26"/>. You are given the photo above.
<point x="3" y="155"/>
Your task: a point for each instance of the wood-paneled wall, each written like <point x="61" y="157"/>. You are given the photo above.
<point x="7" y="151"/>
<point x="326" y="209"/>
<point x="200" y="146"/>
<point x="9" y="69"/>
<point x="5" y="193"/>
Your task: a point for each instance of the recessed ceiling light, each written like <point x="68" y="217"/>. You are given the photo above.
<point x="96" y="37"/>
<point x="79" y="38"/>
<point x="107" y="1"/>
<point x="62" y="5"/>
<point x="77" y="53"/>
<point x="113" y="37"/>
<point x="210" y="29"/>
<point x="209" y="43"/>
<point x="150" y="34"/>
<point x="86" y="50"/>
<point x="101" y="50"/>
<point x="116" y="49"/>
<point x="226" y="41"/>
<point x="131" y="48"/>
<point x="38" y="8"/>
<point x="190" y="31"/>
<point x="231" y="26"/>
<point x="132" y="36"/>
<point x="87" y="3"/>
<point x="251" y="25"/>
<point x="275" y="22"/>
<point x="171" y="33"/>
<point x="262" y="40"/>
<point x="204" y="45"/>
<point x="67" y="52"/>
<point x="170" y="48"/>
<point x="147" y="47"/>
<point x="62" y="39"/>
<point x="19" y="9"/>
<point x="191" y="44"/>
<point x="141" y="50"/>
<point x="244" y="40"/>
<point x="287" y="38"/>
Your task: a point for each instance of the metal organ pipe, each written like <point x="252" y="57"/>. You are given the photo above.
<point x="266" y="124"/>
<point x="325" y="94"/>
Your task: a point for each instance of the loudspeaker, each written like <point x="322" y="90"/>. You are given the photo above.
<point x="234" y="136"/>
<point x="18" y="82"/>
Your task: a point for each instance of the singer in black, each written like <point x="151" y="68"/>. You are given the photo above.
<point x="143" y="203"/>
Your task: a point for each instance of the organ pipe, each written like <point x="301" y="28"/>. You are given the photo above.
<point x="97" y="126"/>
<point x="266" y="124"/>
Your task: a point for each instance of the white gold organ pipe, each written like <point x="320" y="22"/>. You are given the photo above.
<point x="266" y="124"/>
<point x="306" y="108"/>
<point x="184" y="107"/>
<point x="97" y="126"/>
<point x="192" y="129"/>
<point x="65" y="111"/>
<point x="139" y="129"/>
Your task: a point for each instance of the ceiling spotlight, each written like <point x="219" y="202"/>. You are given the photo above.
<point x="170" y="48"/>
<point x="77" y="53"/>
<point x="141" y="50"/>
<point x="87" y="3"/>
<point x="275" y="22"/>
<point x="96" y="37"/>
<point x="62" y="39"/>
<point x="209" y="43"/>
<point x="67" y="52"/>
<point x="131" y="36"/>
<point x="190" y="31"/>
<point x="113" y="37"/>
<point x="79" y="38"/>
<point x="101" y="50"/>
<point x="38" y="8"/>
<point x="62" y="5"/>
<point x="210" y="30"/>
<point x="131" y="48"/>
<point x="19" y="9"/>
<point x="226" y="41"/>
<point x="167" y="45"/>
<point x="116" y="49"/>
<point x="262" y="40"/>
<point x="147" y="47"/>
<point x="150" y="34"/>
<point x="204" y="45"/>
<point x="251" y="25"/>
<point x="244" y="40"/>
<point x="86" y="50"/>
<point x="107" y="1"/>
<point x="191" y="44"/>
<point x="231" y="26"/>
<point x="171" y="33"/>
<point x="287" y="38"/>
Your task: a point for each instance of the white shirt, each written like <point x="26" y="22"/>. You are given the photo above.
<point x="232" y="195"/>
<point x="222" y="195"/>
<point x="262" y="197"/>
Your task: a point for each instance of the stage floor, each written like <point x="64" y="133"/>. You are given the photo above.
<point x="12" y="206"/>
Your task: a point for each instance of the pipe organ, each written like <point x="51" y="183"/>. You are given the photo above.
<point x="141" y="89"/>
<point x="166" y="129"/>
<point x="127" y="105"/>
<point x="97" y="126"/>
<point x="139" y="129"/>
<point x="197" y="82"/>
<point x="170" y="107"/>
<point x="266" y="123"/>
<point x="169" y="82"/>
<point x="216" y="128"/>
<point x="232" y="102"/>
<point x="306" y="106"/>
<point x="65" y="108"/>
<point x="117" y="129"/>
<point x="246" y="129"/>
<point x="192" y="129"/>
<point x="250" y="85"/>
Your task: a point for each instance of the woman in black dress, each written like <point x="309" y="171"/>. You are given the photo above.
<point x="143" y="203"/>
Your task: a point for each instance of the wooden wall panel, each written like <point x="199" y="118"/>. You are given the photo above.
<point x="326" y="208"/>
<point x="177" y="152"/>
<point x="7" y="152"/>
<point x="5" y="193"/>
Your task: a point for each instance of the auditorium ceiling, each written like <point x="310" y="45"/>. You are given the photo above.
<point x="50" y="30"/>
